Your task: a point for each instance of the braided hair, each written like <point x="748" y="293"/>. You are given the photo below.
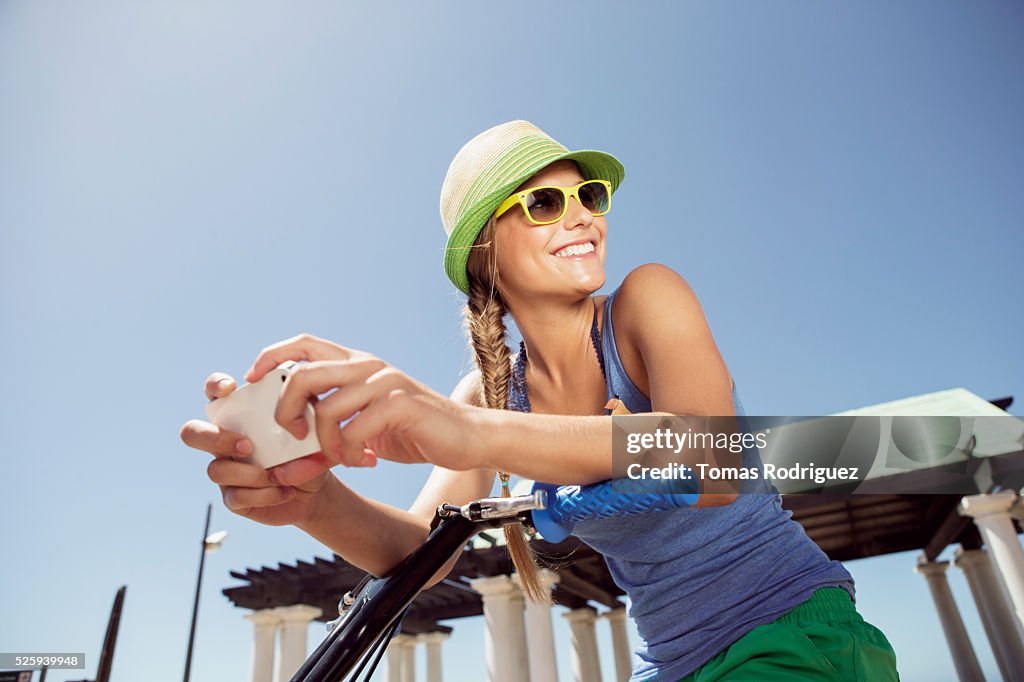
<point x="484" y="317"/>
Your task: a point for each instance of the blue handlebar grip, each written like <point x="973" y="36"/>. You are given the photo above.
<point x="568" y="504"/>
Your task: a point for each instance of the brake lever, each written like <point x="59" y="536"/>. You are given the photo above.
<point x="490" y="508"/>
<point x="503" y="507"/>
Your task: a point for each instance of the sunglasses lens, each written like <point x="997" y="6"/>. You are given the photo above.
<point x="545" y="204"/>
<point x="594" y="197"/>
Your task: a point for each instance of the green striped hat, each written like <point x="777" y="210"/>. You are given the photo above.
<point x="489" y="168"/>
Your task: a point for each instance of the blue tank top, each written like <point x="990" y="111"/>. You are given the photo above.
<point x="699" y="579"/>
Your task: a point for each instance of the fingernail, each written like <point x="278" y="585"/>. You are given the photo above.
<point x="223" y="384"/>
<point x="275" y="477"/>
<point x="243" y="446"/>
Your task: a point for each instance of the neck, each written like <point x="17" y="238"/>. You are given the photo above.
<point x="557" y="337"/>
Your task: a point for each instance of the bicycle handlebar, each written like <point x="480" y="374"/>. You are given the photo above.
<point x="566" y="505"/>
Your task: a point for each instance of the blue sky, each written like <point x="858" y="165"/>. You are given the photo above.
<point x="182" y="184"/>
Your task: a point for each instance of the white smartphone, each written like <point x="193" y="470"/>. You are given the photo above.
<point x="249" y="410"/>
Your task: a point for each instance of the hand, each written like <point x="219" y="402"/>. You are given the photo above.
<point x="389" y="414"/>
<point x="246" y="488"/>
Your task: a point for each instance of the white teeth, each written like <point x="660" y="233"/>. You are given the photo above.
<point x="575" y="250"/>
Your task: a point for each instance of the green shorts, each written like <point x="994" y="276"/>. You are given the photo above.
<point x="822" y="639"/>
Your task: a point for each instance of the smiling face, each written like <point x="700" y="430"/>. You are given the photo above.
<point x="564" y="257"/>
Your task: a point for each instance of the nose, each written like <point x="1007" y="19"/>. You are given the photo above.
<point x="577" y="215"/>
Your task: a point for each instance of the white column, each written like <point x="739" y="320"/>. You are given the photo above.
<point x="1000" y="625"/>
<point x="433" y="641"/>
<point x="966" y="663"/>
<point x="991" y="514"/>
<point x="394" y="659"/>
<point x="407" y="645"/>
<point x="401" y="655"/>
<point x="517" y="606"/>
<point x="586" y="664"/>
<point x="620" y="643"/>
<point x="540" y="636"/>
<point x="291" y="649"/>
<point x="264" y="624"/>
<point x="504" y="638"/>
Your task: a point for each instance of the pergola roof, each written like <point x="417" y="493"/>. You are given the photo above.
<point x="846" y="527"/>
<point x="583" y="578"/>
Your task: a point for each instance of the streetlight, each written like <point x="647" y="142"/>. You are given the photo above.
<point x="210" y="543"/>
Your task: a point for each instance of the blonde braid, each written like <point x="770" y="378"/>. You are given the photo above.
<point x="485" y="316"/>
<point x="485" y="321"/>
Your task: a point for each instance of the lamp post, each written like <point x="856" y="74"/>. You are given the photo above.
<point x="209" y="544"/>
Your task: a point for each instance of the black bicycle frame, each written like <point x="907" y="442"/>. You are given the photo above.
<point x="379" y="604"/>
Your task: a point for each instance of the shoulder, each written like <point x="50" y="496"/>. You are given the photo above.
<point x="653" y="280"/>
<point x="652" y="296"/>
<point x="469" y="390"/>
<point x="663" y="329"/>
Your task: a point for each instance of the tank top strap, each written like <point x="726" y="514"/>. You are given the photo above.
<point x="616" y="379"/>
<point x="517" y="400"/>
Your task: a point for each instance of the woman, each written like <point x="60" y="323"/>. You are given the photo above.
<point x="727" y="591"/>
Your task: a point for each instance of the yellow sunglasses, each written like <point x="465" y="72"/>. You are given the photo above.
<point x="548" y="204"/>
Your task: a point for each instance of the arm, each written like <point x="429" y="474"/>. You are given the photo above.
<point x="378" y="411"/>
<point x="456" y="487"/>
<point x="661" y="329"/>
<point x="360" y="543"/>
